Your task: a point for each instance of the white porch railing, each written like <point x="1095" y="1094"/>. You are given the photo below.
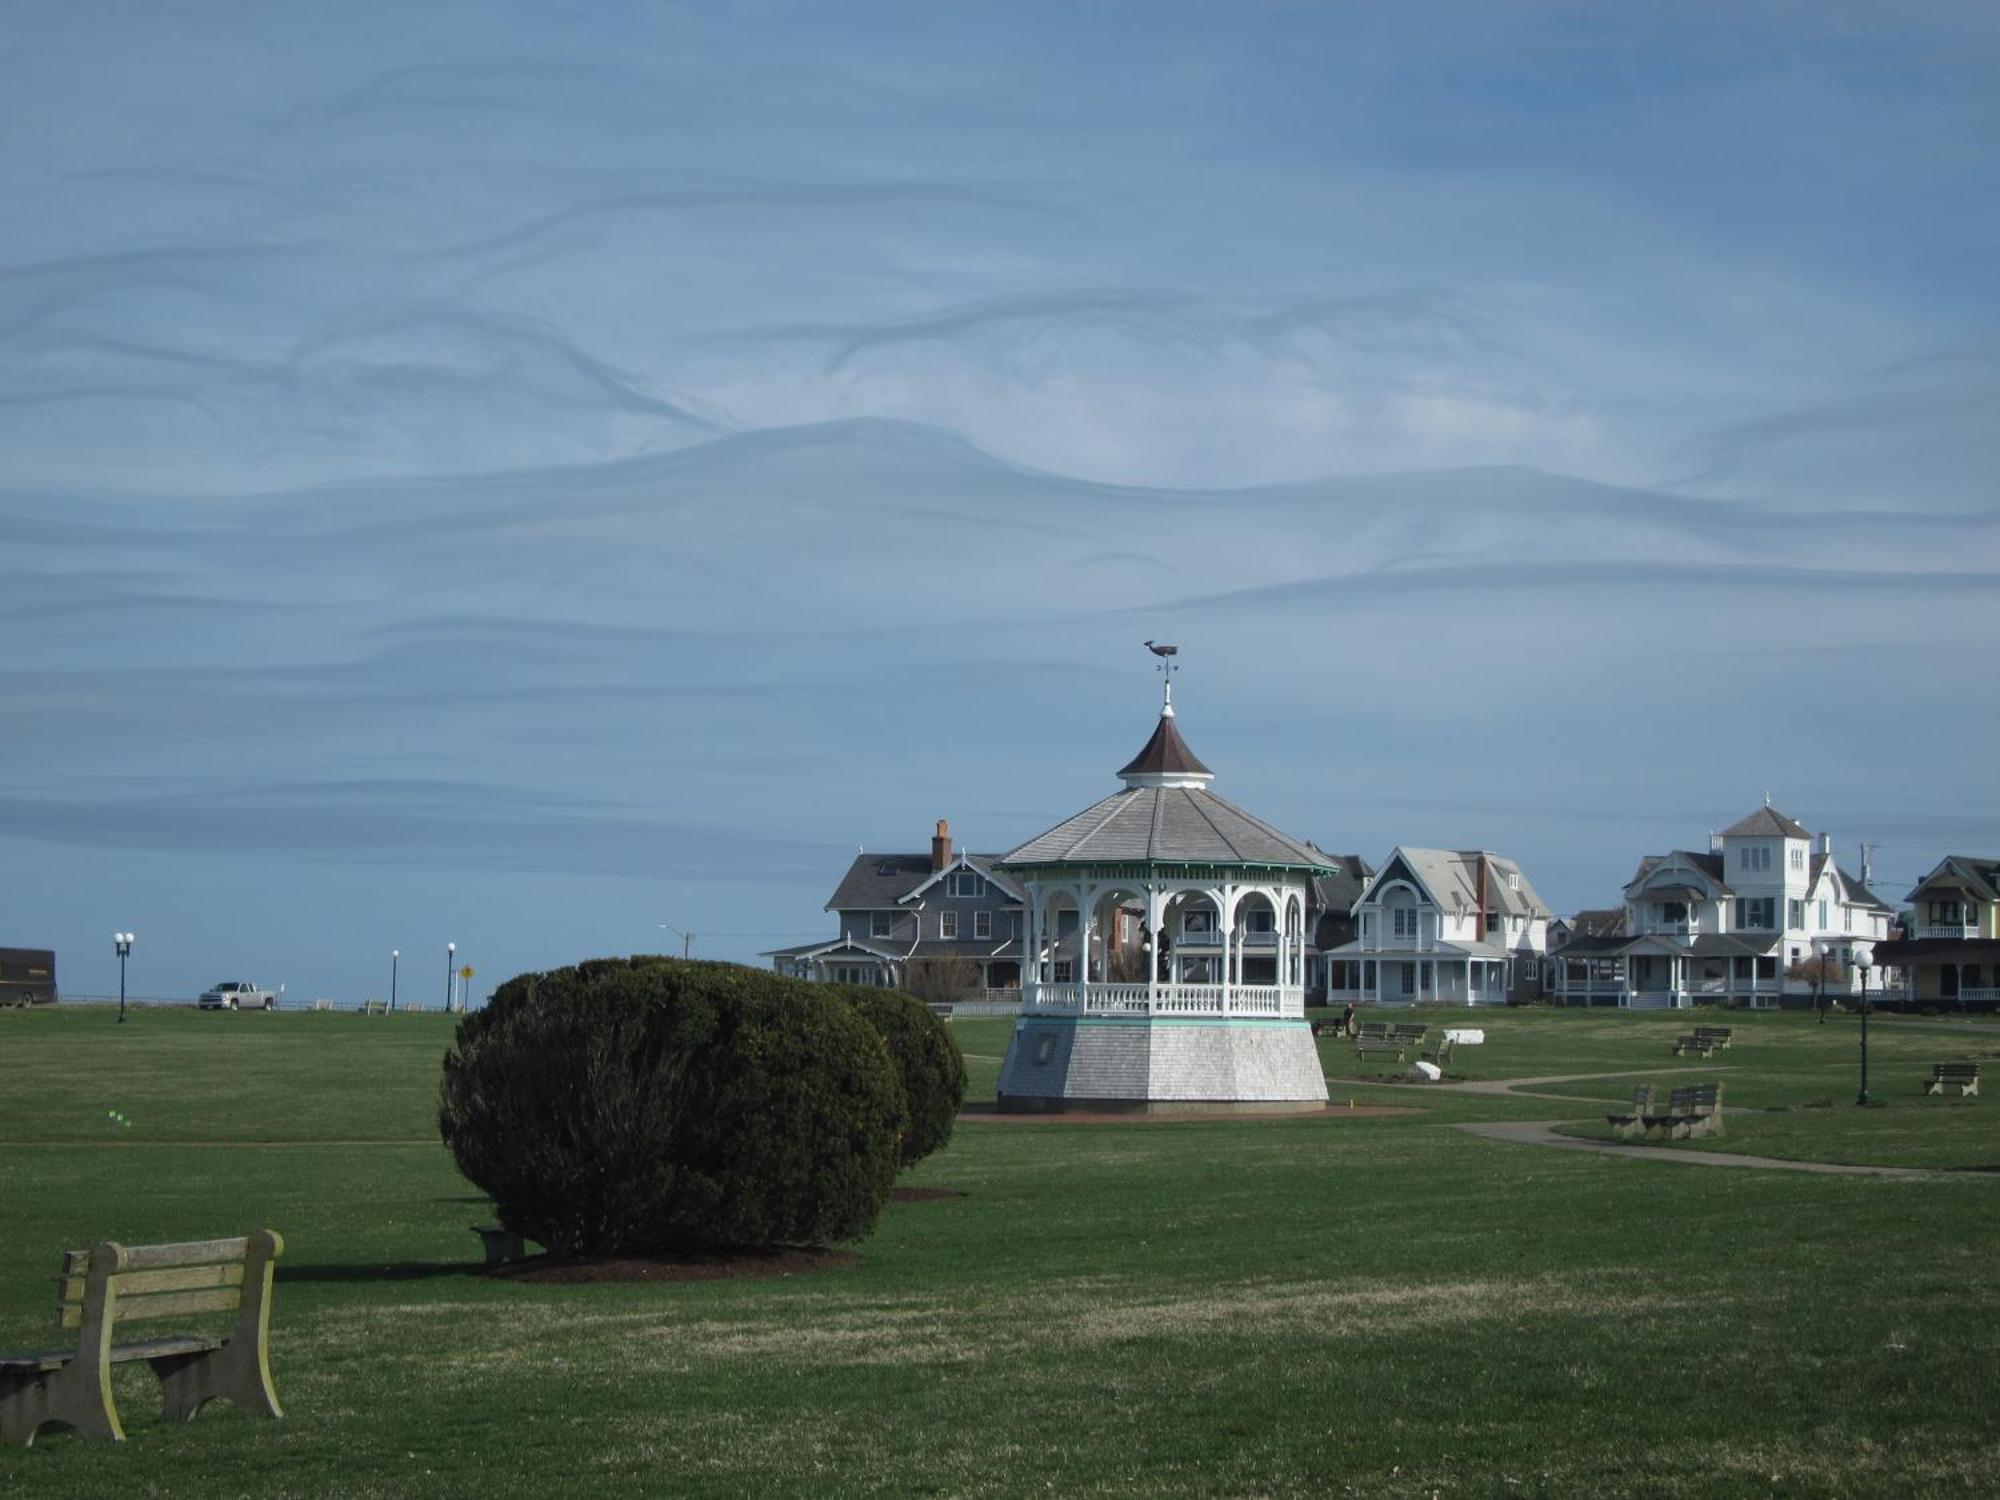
<point x="1956" y="932"/>
<point x="1166" y="1000"/>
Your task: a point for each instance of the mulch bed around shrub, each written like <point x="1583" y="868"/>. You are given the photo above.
<point x="544" y="1271"/>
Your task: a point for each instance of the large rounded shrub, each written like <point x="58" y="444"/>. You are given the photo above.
<point x="926" y="1058"/>
<point x="651" y="1105"/>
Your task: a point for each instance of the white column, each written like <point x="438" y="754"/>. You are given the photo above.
<point x="1155" y="925"/>
<point x="1225" y="910"/>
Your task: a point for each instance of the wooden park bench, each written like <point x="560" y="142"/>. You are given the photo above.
<point x="322" y="1003"/>
<point x="1697" y="1043"/>
<point x="1396" y="1040"/>
<point x="1634" y="1123"/>
<point x="1719" y="1035"/>
<point x="374" y="1007"/>
<point x="111" y="1284"/>
<point x="1964" y="1074"/>
<point x="1694" y="1109"/>
<point x="500" y="1243"/>
<point x="1440" y="1054"/>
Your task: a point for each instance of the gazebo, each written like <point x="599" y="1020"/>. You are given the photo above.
<point x="1165" y="940"/>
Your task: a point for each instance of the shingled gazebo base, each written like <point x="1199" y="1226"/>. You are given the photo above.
<point x="1161" y="1065"/>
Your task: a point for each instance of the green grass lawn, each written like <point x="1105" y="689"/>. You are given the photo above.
<point x="1382" y="1306"/>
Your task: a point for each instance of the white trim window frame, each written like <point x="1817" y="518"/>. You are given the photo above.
<point x="965" y="884"/>
<point x="948" y="925"/>
<point x="881" y="924"/>
<point x="982" y="925"/>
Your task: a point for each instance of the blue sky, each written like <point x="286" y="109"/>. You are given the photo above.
<point x="477" y="474"/>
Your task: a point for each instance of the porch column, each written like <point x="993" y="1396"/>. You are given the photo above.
<point x="1225" y="907"/>
<point x="1155" y="925"/>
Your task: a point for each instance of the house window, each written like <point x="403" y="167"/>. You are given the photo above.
<point x="982" y="924"/>
<point x="1513" y="880"/>
<point x="1767" y="967"/>
<point x="964" y="883"/>
<point x="1403" y="921"/>
<point x="880" y="923"/>
<point x="1822" y="916"/>
<point x="1798" y="857"/>
<point x="1743" y="970"/>
<point x="1260" y="919"/>
<point x="1796" y="914"/>
<point x="1674" y="913"/>
<point x="1409" y="978"/>
<point x="1065" y="971"/>
<point x="1756" y="857"/>
<point x="1427" y="978"/>
<point x="947" y="924"/>
<point x="1756" y="913"/>
<point x="1532" y="969"/>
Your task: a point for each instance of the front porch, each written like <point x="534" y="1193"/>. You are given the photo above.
<point x="1441" y="978"/>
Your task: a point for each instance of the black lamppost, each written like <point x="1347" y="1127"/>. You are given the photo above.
<point x="122" y="941"/>
<point x="395" y="959"/>
<point x="450" y="963"/>
<point x="1863" y="955"/>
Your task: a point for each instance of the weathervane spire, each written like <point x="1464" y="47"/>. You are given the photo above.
<point x="1168" y="666"/>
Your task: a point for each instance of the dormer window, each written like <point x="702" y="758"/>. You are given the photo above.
<point x="1513" y="880"/>
<point x="964" y="883"/>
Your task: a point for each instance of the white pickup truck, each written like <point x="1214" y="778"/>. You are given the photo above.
<point x="237" y="994"/>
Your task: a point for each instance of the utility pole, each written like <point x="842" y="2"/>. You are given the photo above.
<point x="687" y="938"/>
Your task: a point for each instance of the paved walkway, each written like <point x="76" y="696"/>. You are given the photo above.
<point x="1542" y="1133"/>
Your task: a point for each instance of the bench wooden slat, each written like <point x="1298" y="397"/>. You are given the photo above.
<point x="187" y="1253"/>
<point x="179" y="1279"/>
<point x="165" y="1305"/>
<point x="148" y="1257"/>
<point x="55" y="1359"/>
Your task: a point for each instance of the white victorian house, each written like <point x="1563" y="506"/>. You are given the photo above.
<point x="1456" y="926"/>
<point x="1765" y="915"/>
<point x="1166" y="939"/>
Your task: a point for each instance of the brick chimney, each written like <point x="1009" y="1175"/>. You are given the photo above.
<point x="941" y="846"/>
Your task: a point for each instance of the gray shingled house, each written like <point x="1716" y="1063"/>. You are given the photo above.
<point x="896" y="909"/>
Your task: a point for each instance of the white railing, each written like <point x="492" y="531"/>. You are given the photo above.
<point x="1957" y="932"/>
<point x="1167" y="1000"/>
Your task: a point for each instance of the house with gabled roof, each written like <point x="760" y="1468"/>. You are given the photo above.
<point x="1952" y="954"/>
<point x="1765" y="914"/>
<point x="1458" y="926"/>
<point x="896" y="909"/>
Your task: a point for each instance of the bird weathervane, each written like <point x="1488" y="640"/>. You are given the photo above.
<point x="1168" y="665"/>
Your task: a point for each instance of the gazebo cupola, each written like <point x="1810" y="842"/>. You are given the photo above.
<point x="1166" y="759"/>
<point x="1180" y="919"/>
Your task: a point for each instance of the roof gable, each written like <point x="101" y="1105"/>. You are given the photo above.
<point x="1765" y="822"/>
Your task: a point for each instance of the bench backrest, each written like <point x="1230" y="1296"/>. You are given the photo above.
<point x="1373" y="1031"/>
<point x="1704" y="1098"/>
<point x="1714" y="1033"/>
<point x="112" y="1283"/>
<point x="1642" y="1098"/>
<point x="1955" y="1070"/>
<point x="1407" y="1032"/>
